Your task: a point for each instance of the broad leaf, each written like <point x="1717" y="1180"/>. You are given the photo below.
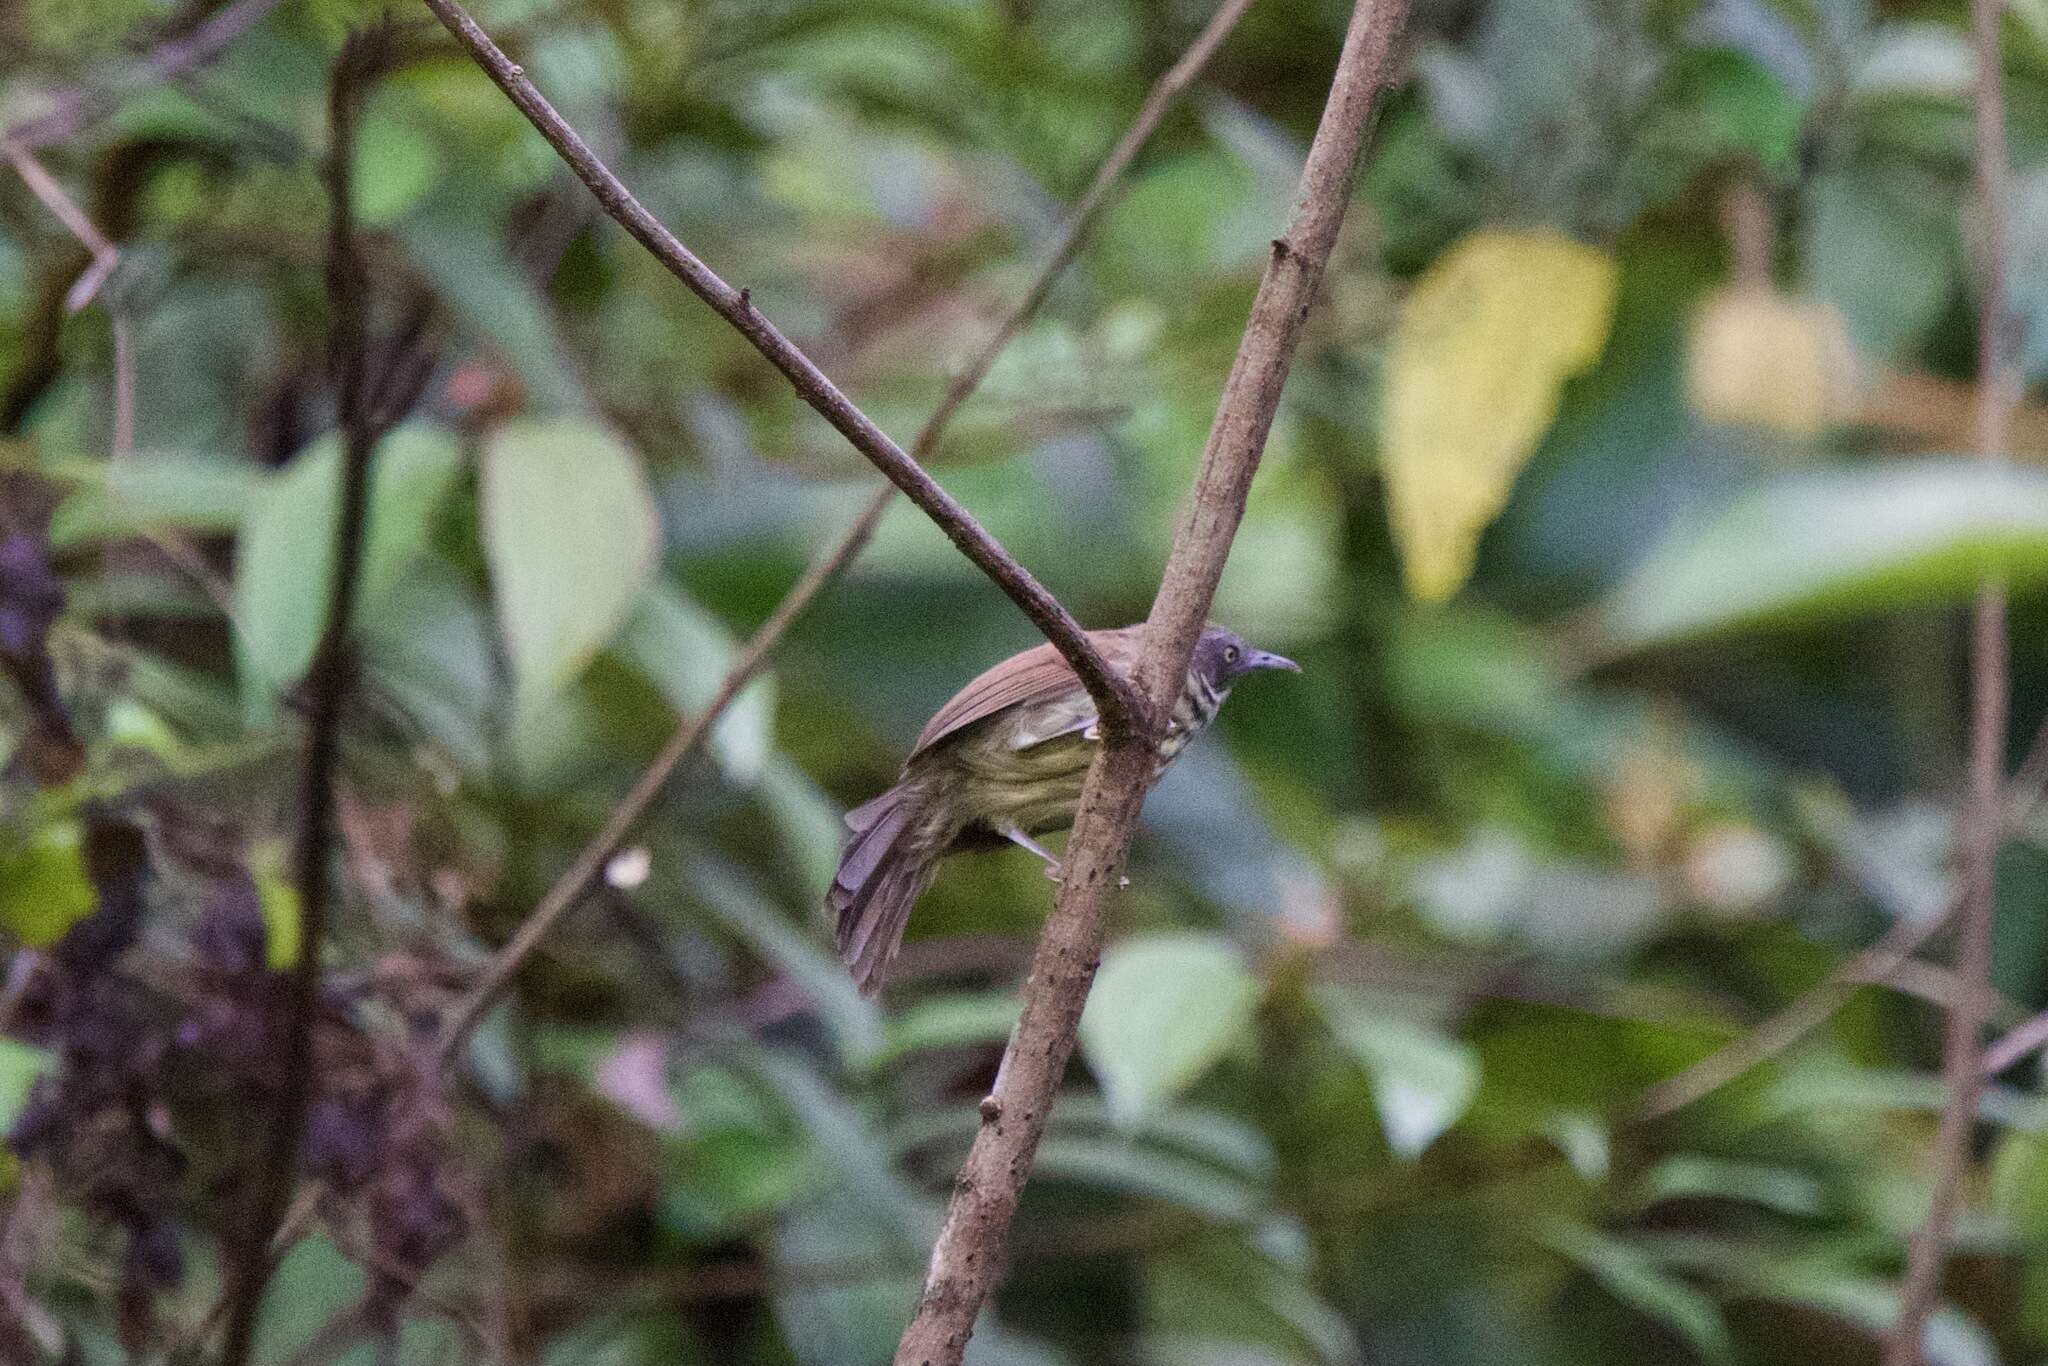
<point x="1422" y="1081"/>
<point x="571" y="535"/>
<point x="284" y="561"/>
<point x="1826" y="543"/>
<point x="1634" y="1278"/>
<point x="685" y="651"/>
<point x="1164" y="1010"/>
<point x="141" y="492"/>
<point x="1484" y="344"/>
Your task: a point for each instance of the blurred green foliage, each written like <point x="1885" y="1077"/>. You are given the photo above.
<point x="1409" y="937"/>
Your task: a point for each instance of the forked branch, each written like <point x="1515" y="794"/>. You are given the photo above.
<point x="691" y="731"/>
<point x="1122" y="709"/>
<point x="967" y="1260"/>
<point x="1979" y="827"/>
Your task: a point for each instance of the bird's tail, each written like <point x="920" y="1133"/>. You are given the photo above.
<point x="886" y="866"/>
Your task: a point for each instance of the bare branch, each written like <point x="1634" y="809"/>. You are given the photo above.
<point x="581" y="873"/>
<point x="968" y="1257"/>
<point x="1081" y="221"/>
<point x="45" y="188"/>
<point x="1118" y="701"/>
<point x="1875" y="966"/>
<point x="576" y="880"/>
<point x="1998" y="391"/>
<point x="361" y="61"/>
<point x="1807" y="1012"/>
<point x="74" y="109"/>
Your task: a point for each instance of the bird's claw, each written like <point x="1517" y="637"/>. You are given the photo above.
<point x="1058" y="873"/>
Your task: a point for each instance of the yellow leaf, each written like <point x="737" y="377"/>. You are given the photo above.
<point x="1764" y="359"/>
<point x="1484" y="344"/>
<point x="270" y="866"/>
<point x="44" y="889"/>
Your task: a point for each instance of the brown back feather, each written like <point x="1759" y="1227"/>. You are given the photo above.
<point x="1036" y="675"/>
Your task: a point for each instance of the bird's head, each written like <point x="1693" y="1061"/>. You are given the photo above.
<point x="1222" y="656"/>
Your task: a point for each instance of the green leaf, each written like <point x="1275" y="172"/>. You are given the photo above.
<point x="314" y="1282"/>
<point x="2019" y="1184"/>
<point x="807" y="819"/>
<point x="949" y="1021"/>
<point x="844" y="1138"/>
<point x="685" y="651"/>
<point x="470" y="268"/>
<point x="1422" y="1081"/>
<point x="285" y="557"/>
<point x="1165" y="1008"/>
<point x="1879" y="244"/>
<point x="855" y="1020"/>
<point x="1132" y="1168"/>
<point x="44" y="890"/>
<point x="20" y="1066"/>
<point x="1692" y="1176"/>
<point x="571" y="535"/>
<point x="1633" y="1277"/>
<point x="138" y="493"/>
<point x="1819" y="544"/>
<point x="396" y="165"/>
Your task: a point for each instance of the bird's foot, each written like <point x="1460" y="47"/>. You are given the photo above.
<point x="1058" y="873"/>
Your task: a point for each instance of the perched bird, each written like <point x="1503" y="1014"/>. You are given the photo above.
<point x="1002" y="761"/>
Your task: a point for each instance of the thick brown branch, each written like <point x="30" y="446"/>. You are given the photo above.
<point x="1980" y="828"/>
<point x="1122" y="709"/>
<point x="576" y="880"/>
<point x="967" y="1259"/>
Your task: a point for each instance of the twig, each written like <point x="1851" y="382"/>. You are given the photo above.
<point x="355" y="70"/>
<point x="104" y="258"/>
<point x="1086" y="210"/>
<point x="1998" y="385"/>
<point x="45" y="188"/>
<point x="77" y="107"/>
<point x="1121" y="706"/>
<point x="2016" y="1044"/>
<point x="968" y="1256"/>
<point x="570" y="887"/>
<point x="1875" y="966"/>
<point x="1806" y="1013"/>
<point x="689" y="734"/>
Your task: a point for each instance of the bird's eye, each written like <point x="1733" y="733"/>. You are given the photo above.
<point x="1230" y="654"/>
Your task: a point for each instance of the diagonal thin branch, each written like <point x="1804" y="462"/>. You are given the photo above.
<point x="361" y="60"/>
<point x="45" y="188"/>
<point x="1806" y="1013"/>
<point x="74" y="109"/>
<point x="968" y="1256"/>
<point x="1998" y="392"/>
<point x="1875" y="966"/>
<point x="1123" y="710"/>
<point x="691" y="731"/>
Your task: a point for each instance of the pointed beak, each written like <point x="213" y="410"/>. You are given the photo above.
<point x="1261" y="659"/>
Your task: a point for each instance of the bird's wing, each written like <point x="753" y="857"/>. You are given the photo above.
<point x="1036" y="675"/>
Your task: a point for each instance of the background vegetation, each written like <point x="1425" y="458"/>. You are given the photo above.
<point x="1673" y="300"/>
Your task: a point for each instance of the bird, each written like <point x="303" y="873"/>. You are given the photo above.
<point x="998" y="764"/>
